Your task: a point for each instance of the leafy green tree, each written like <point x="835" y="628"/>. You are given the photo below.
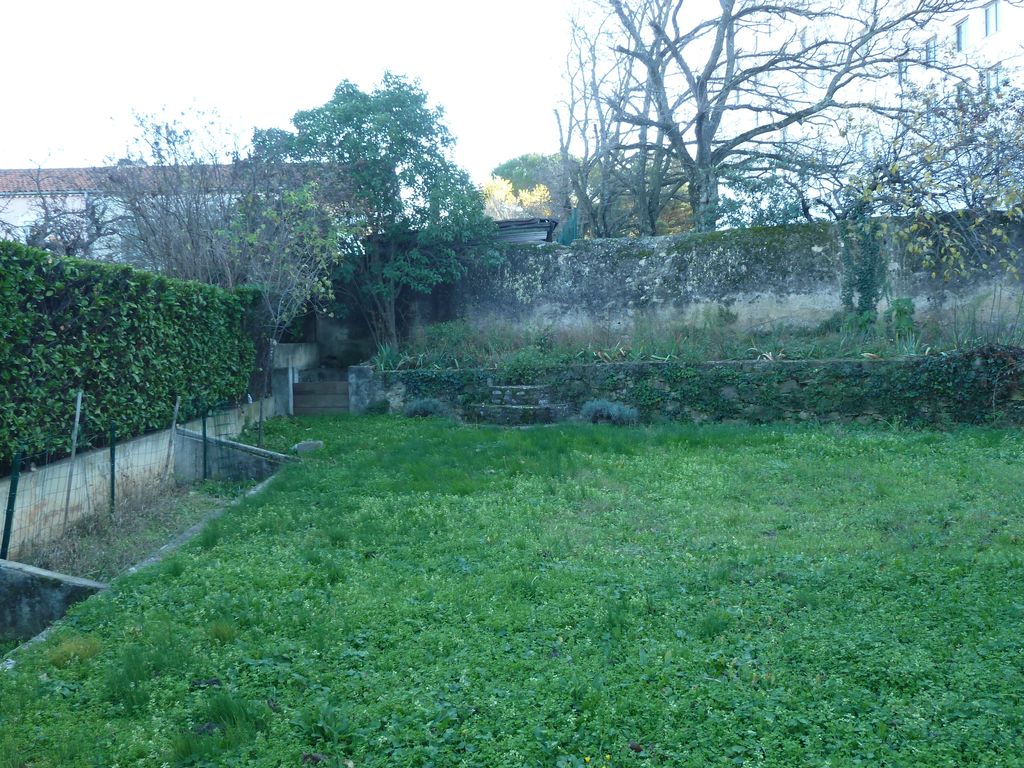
<point x="383" y="159"/>
<point x="532" y="170"/>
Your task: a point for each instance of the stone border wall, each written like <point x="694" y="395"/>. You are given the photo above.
<point x="975" y="387"/>
<point x="788" y="275"/>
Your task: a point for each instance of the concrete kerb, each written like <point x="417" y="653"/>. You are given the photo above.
<point x="32" y="599"/>
<point x="176" y="543"/>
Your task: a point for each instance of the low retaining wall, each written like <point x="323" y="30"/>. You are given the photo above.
<point x="223" y="459"/>
<point x="973" y="387"/>
<point x="143" y="465"/>
<point x="31" y="599"/>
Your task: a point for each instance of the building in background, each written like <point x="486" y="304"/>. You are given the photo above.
<point x="31" y="201"/>
<point x="989" y="38"/>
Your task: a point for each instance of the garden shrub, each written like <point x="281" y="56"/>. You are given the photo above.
<point x="608" y="412"/>
<point x="378" y="408"/>
<point x="525" y="364"/>
<point x="427" y="406"/>
<point x="899" y="317"/>
<point x="130" y="340"/>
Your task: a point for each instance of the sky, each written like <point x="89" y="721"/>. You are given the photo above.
<point x="77" y="72"/>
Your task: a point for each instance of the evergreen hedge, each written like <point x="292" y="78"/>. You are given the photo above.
<point x="131" y="340"/>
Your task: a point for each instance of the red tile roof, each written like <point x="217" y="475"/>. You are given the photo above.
<point x="227" y="177"/>
<point x="32" y="181"/>
<point x="55" y="181"/>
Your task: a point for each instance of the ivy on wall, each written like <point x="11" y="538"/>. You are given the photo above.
<point x="973" y="387"/>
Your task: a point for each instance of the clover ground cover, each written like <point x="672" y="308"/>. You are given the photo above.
<point x="421" y="593"/>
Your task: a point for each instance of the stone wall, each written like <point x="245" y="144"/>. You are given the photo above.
<point x="782" y="275"/>
<point x="973" y="387"/>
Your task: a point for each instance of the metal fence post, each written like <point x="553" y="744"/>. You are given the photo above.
<point x="12" y="495"/>
<point x="74" y="450"/>
<point x="170" y="441"/>
<point x="113" y="465"/>
<point x="206" y="466"/>
<point x="259" y="441"/>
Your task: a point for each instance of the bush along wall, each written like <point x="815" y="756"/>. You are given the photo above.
<point x="132" y="341"/>
<point x="971" y="387"/>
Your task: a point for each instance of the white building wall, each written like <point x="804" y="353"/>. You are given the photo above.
<point x="17" y="212"/>
<point x="991" y="35"/>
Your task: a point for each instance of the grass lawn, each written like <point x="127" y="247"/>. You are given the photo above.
<point x="424" y="594"/>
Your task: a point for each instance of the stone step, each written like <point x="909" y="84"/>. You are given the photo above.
<point x="323" y="374"/>
<point x="524" y="394"/>
<point x="320" y="401"/>
<point x="320" y="388"/>
<point x="309" y="410"/>
<point x="516" y="415"/>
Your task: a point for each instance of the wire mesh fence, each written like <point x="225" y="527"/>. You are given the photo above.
<point x="101" y="470"/>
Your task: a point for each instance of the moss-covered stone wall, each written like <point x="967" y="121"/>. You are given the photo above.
<point x="790" y="274"/>
<point x="980" y="386"/>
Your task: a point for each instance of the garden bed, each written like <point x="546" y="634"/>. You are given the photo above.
<point x="102" y="546"/>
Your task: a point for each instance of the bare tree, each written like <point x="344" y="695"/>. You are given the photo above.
<point x="622" y="176"/>
<point x="62" y="222"/>
<point x="953" y="169"/>
<point x="245" y="224"/>
<point x="587" y="133"/>
<point x="721" y="90"/>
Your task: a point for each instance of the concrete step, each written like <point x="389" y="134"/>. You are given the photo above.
<point x="323" y="374"/>
<point x="320" y="401"/>
<point x="320" y="388"/>
<point x="516" y="415"/>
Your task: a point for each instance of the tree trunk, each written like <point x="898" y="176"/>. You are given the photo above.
<point x="704" y="199"/>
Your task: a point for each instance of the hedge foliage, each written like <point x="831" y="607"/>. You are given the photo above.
<point x="132" y="341"/>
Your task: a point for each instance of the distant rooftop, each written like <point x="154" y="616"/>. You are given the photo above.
<point x="33" y="181"/>
<point x="526" y="230"/>
<point x="81" y="181"/>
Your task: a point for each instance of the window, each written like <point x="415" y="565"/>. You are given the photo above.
<point x="901" y="72"/>
<point x="993" y="75"/>
<point x="960" y="35"/>
<point x="931" y="48"/>
<point x="992" y="18"/>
